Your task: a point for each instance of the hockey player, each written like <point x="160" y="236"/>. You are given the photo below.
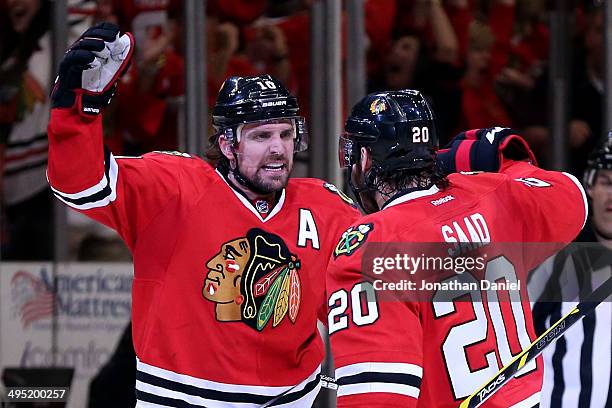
<point x="229" y="262"/>
<point x="402" y="353"/>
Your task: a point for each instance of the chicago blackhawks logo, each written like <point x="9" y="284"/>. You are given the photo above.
<point x="377" y="106"/>
<point x="352" y="238"/>
<point x="254" y="279"/>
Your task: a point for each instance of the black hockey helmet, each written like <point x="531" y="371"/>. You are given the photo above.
<point x="253" y="99"/>
<point x="600" y="159"/>
<point x="398" y="128"/>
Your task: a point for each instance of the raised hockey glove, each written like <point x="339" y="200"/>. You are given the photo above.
<point x="90" y="69"/>
<point x="483" y="150"/>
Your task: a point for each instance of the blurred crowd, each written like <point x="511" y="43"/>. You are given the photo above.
<point x="482" y="63"/>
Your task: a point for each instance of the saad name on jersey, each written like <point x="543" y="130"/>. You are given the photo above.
<point x="466" y="234"/>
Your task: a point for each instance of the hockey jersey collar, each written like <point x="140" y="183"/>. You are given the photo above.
<point x="411" y="196"/>
<point x="249" y="206"/>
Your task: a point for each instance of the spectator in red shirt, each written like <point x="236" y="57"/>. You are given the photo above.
<point x="225" y="56"/>
<point x="142" y="117"/>
<point x="480" y="105"/>
<point x="288" y="56"/>
<point x="522" y="83"/>
<point x="423" y="55"/>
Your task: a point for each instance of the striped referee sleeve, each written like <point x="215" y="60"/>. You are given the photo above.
<point x="371" y="377"/>
<point x="578" y="366"/>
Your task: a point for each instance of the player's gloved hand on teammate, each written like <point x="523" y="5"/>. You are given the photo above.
<point x="483" y="150"/>
<point x="91" y="67"/>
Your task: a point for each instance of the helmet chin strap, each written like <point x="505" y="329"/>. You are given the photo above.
<point x="357" y="190"/>
<point x="363" y="188"/>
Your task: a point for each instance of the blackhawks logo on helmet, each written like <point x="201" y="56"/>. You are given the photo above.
<point x="254" y="279"/>
<point x="378" y="105"/>
<point x="353" y="238"/>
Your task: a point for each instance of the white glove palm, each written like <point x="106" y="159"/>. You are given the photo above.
<point x="108" y="63"/>
<point x="90" y="69"/>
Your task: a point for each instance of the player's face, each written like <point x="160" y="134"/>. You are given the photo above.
<point x="265" y="154"/>
<point x="601" y="196"/>
<point x="222" y="284"/>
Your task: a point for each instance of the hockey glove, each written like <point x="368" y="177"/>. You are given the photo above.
<point x="90" y="69"/>
<point x="483" y="150"/>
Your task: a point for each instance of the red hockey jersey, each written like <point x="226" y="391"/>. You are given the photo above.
<point x="435" y="354"/>
<point x="225" y="301"/>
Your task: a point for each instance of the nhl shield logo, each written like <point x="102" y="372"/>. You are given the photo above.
<point x="352" y="239"/>
<point x="262" y="206"/>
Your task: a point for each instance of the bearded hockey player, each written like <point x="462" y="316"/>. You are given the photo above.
<point x="229" y="261"/>
<point x="402" y="353"/>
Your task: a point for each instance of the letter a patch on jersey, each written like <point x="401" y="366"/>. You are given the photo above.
<point x="352" y="239"/>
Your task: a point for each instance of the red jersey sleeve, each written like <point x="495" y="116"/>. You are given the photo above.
<point x="122" y="193"/>
<point x="377" y="346"/>
<point x="552" y="205"/>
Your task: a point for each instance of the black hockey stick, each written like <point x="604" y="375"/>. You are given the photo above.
<point x="557" y="330"/>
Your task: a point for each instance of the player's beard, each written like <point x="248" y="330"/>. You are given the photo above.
<point x="368" y="202"/>
<point x="269" y="184"/>
<point x="365" y="195"/>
